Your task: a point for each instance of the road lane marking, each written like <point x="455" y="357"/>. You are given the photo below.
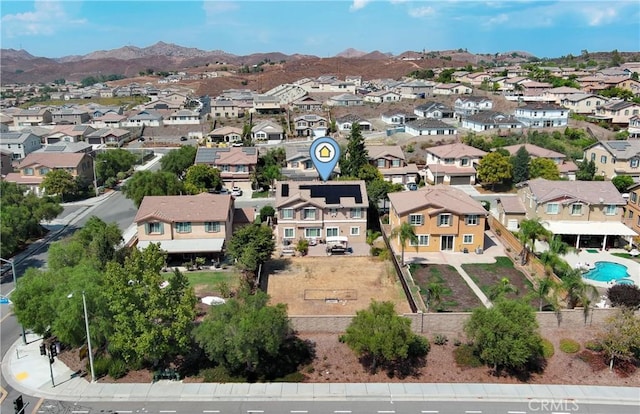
<point x="167" y="411"/>
<point x="210" y="411"/>
<point x="255" y="411"/>
<point x="123" y="412"/>
<point x="473" y="412"/>
<point x="79" y="412"/>
<point x="429" y="412"/>
<point x="342" y="412"/>
<point x="386" y="412"/>
<point x="516" y="412"/>
<point x="299" y="411"/>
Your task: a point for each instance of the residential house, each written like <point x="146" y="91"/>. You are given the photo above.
<point x="617" y="112"/>
<point x="583" y="103"/>
<point x="307" y="104"/>
<point x="585" y="214"/>
<point x="145" y="118"/>
<point x="631" y="214"/>
<point x="225" y="108"/>
<point x="511" y="212"/>
<point x="31" y="117"/>
<point x="415" y="89"/>
<point x="183" y="117"/>
<point x="312" y="210"/>
<point x="471" y="105"/>
<point x="391" y="162"/>
<point x="310" y="125"/>
<point x="613" y="158"/>
<point x="65" y="133"/>
<point x="346" y="99"/>
<point x="20" y="144"/>
<point x="474" y="79"/>
<point x="345" y="122"/>
<point x="452" y="89"/>
<point x="433" y="110"/>
<point x="429" y="126"/>
<point x="397" y="117"/>
<point x="267" y="132"/>
<point x="187" y="225"/>
<point x="266" y="104"/>
<point x="382" y="96"/>
<point x="70" y="116"/>
<point x="567" y="168"/>
<point x="557" y="95"/>
<point x="109" y="136"/>
<point x="542" y="115"/>
<point x="444" y="219"/>
<point x="299" y="166"/>
<point x="227" y="134"/>
<point x="234" y="163"/>
<point x="70" y="147"/>
<point x="109" y="120"/>
<point x="35" y="166"/>
<point x="6" y="162"/>
<point x="634" y="127"/>
<point x="162" y="105"/>
<point x="453" y="164"/>
<point x="487" y="120"/>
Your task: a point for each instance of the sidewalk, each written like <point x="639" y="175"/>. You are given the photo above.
<point x="28" y="372"/>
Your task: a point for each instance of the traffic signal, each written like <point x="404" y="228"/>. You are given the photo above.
<point x="53" y="351"/>
<point x="43" y="349"/>
<point x="18" y="405"/>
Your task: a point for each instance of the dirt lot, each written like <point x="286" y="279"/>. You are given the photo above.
<point x="333" y="285"/>
<point x="488" y="275"/>
<point x="457" y="296"/>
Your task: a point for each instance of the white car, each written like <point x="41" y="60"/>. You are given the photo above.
<point x="236" y="191"/>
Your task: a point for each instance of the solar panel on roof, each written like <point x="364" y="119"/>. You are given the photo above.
<point x="619" y="145"/>
<point x="332" y="193"/>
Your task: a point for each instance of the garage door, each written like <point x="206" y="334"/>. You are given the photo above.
<point x="461" y="180"/>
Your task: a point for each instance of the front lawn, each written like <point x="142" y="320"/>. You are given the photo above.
<point x="260" y="194"/>
<point x="208" y="282"/>
<point x="487" y="275"/>
<point x="456" y="295"/>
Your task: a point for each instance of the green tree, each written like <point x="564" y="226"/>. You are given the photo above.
<point x="177" y="161"/>
<point x="147" y="183"/>
<point x="500" y="289"/>
<point x="251" y="246"/>
<point x="152" y="320"/>
<point x="201" y="177"/>
<point x="621" y="337"/>
<point x="578" y="292"/>
<point x="543" y="289"/>
<point x="379" y="334"/>
<point x="265" y="212"/>
<point x="355" y="155"/>
<point x="586" y="171"/>
<point x="544" y="168"/>
<point x="60" y="183"/>
<point x="494" y="168"/>
<point x="112" y="162"/>
<point x="552" y="257"/>
<point x="244" y="334"/>
<point x="405" y="233"/>
<point x="520" y="165"/>
<point x="269" y="168"/>
<point x="622" y="182"/>
<point x="377" y="190"/>
<point x="530" y="231"/>
<point x="434" y="295"/>
<point x="505" y="336"/>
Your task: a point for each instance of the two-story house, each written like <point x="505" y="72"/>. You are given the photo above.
<point x="310" y="125"/>
<point x="566" y="168"/>
<point x="234" y="163"/>
<point x="345" y="122"/>
<point x="631" y="214"/>
<point x="453" y="164"/>
<point x="70" y="116"/>
<point x="391" y="162"/>
<point x="115" y="137"/>
<point x="415" y="89"/>
<point x="583" y="213"/>
<point x="307" y="104"/>
<point x="542" y="115"/>
<point x="321" y="211"/>
<point x="299" y="166"/>
<point x="224" y="108"/>
<point x="266" y="104"/>
<point x="617" y="112"/>
<point x="31" y="117"/>
<point x="6" y="162"/>
<point x="20" y="144"/>
<point x="147" y="118"/>
<point x="444" y="219"/>
<point x="186" y="226"/>
<point x="183" y="117"/>
<point x="613" y="158"/>
<point x="471" y="105"/>
<point x="634" y="127"/>
<point x="582" y="103"/>
<point x="35" y="166"/>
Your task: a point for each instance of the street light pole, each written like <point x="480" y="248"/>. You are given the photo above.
<point x="86" y="324"/>
<point x="95" y="176"/>
<point x="15" y="286"/>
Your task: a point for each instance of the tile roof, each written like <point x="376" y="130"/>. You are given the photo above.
<point x="622" y="150"/>
<point x="53" y="159"/>
<point x="534" y="151"/>
<point x="439" y="197"/>
<point x="381" y="151"/>
<point x="492" y="118"/>
<point x="512" y="204"/>
<point x="542" y="106"/>
<point x="227" y="156"/>
<point x="429" y="123"/>
<point x="195" y="208"/>
<point x="456" y="150"/>
<point x="589" y="192"/>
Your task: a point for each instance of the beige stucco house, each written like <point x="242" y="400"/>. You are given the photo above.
<point x="613" y="158"/>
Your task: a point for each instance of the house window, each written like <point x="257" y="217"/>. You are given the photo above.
<point x="289" y="233"/>
<point x="593" y="156"/>
<point x="356" y="213"/>
<point x="634" y="197"/>
<point x="154" y="228"/>
<point x="224" y="168"/>
<point x="294" y="164"/>
<point x="423" y="240"/>
<point x="449" y="160"/>
<point x="308" y="165"/>
<point x="312" y="232"/>
<point x="333" y="232"/>
<point x="395" y="163"/>
<point x="309" y="214"/>
<point x="553" y="208"/>
<point x="444" y="220"/>
<point x="286" y="213"/>
<point x="241" y="168"/>
<point x="467" y="239"/>
<point x="416" y="219"/>
<point x="603" y="159"/>
<point x="576" y="209"/>
<point x="381" y="163"/>
<point x="464" y="162"/>
<point x="212" y="226"/>
<point x="610" y="210"/>
<point x="354" y="231"/>
<point x="472" y="220"/>
<point x="639" y="220"/>
<point x="183" y="227"/>
<point x="28" y="171"/>
<point x="634" y="163"/>
<point x="630" y="214"/>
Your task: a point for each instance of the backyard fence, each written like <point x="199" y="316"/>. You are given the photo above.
<point x="400" y="272"/>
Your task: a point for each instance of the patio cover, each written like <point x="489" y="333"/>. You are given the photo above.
<point x="589" y="228"/>
<point x="186" y="245"/>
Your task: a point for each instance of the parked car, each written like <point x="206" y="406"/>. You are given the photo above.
<point x="412" y="186"/>
<point x="141" y="139"/>
<point x="236" y="191"/>
<point x="183" y="138"/>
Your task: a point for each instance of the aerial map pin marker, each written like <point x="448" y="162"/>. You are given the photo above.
<point x="324" y="153"/>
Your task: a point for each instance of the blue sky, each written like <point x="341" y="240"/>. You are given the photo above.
<point x="54" y="28"/>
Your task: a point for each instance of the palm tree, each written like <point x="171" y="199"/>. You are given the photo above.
<point x="434" y="291"/>
<point x="551" y="257"/>
<point x="543" y="291"/>
<point x="405" y="232"/>
<point x="578" y="292"/>
<point x="530" y="231"/>
<point x="501" y="288"/>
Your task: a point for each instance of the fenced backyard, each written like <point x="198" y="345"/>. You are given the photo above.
<point x="455" y="294"/>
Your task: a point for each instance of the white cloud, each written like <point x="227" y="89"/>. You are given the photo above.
<point x="421" y="11"/>
<point x="358" y="4"/>
<point x="600" y="15"/>
<point x="47" y="17"/>
<point x="218" y="11"/>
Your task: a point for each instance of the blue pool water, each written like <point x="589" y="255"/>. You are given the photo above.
<point x="625" y="282"/>
<point x="606" y="272"/>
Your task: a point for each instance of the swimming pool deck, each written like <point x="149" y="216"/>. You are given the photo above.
<point x="633" y="267"/>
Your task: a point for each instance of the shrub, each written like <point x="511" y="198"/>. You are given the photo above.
<point x="624" y="295"/>
<point x="465" y="357"/>
<point x="110" y="182"/>
<point x="293" y="377"/>
<point x="457" y="342"/>
<point x="440" y="339"/>
<point x="219" y="374"/>
<point x="100" y="366"/>
<point x="117" y="368"/>
<point x="419" y="346"/>
<point x="224" y="289"/>
<point x="594" y="346"/>
<point x="547" y="348"/>
<point x="569" y="346"/>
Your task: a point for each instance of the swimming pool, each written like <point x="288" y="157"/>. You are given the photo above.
<point x="625" y="282"/>
<point x="607" y="272"/>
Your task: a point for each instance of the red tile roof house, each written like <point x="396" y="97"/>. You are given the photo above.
<point x="186" y="226"/>
<point x="567" y="168"/>
<point x="452" y="164"/>
<point x="234" y="163"/>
